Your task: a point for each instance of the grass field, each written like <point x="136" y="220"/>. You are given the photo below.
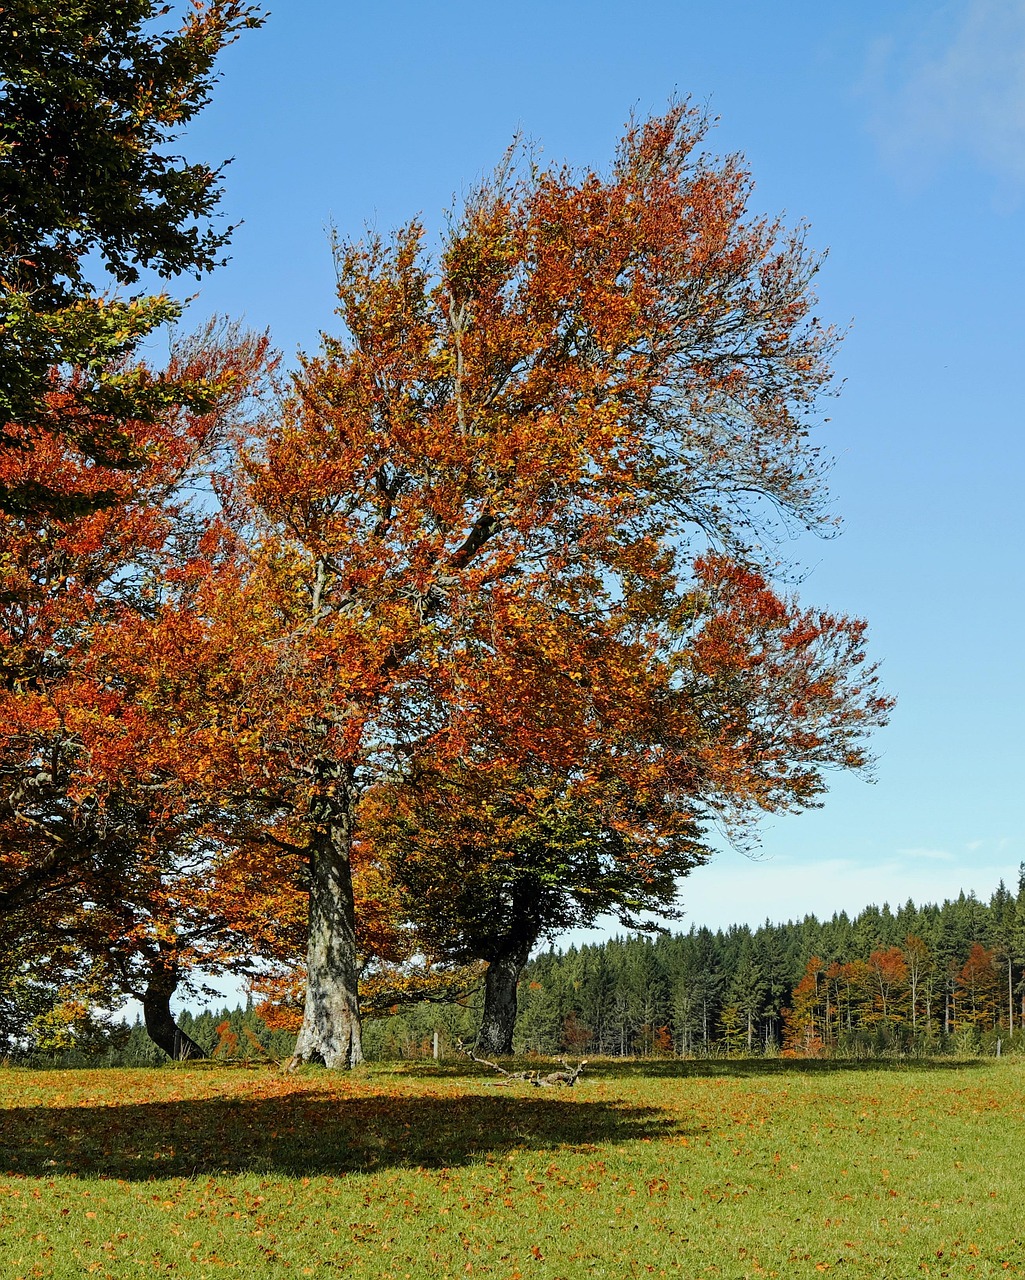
<point x="730" y="1169"/>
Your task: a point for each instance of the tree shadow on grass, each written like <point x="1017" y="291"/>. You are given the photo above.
<point x="307" y="1132"/>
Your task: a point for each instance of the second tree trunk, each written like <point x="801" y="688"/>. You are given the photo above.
<point x="156" y="1011"/>
<point x="500" y="982"/>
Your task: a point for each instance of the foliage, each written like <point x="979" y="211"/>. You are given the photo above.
<point x="754" y="698"/>
<point x="484" y="854"/>
<point x="699" y="993"/>
<point x="91" y="95"/>
<point x="102" y="846"/>
<point x="100" y="459"/>
<point x="482" y="520"/>
<point x="498" y="542"/>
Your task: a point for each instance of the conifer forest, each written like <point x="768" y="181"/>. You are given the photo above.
<point x="917" y="981"/>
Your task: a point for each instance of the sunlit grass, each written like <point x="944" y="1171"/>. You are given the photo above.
<point x="729" y="1169"/>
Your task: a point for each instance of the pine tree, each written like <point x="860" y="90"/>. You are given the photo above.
<point x="747" y="988"/>
<point x="1003" y="916"/>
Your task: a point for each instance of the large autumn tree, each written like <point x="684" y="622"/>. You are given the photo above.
<point x="97" y="448"/>
<point x="520" y="436"/>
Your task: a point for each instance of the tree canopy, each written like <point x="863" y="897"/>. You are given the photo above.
<point x="92" y="95"/>
<point x="479" y="600"/>
<point x="523" y="490"/>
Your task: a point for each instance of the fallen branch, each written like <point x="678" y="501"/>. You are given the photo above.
<point x="567" y="1078"/>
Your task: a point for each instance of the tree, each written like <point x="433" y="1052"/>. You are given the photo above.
<point x="546" y="1008"/>
<point x="747" y="988"/>
<point x="96" y="448"/>
<point x="755" y="697"/>
<point x="962" y="922"/>
<point x="596" y="998"/>
<point x="90" y="96"/>
<point x="771" y="958"/>
<point x="920" y="965"/>
<point x="644" y="983"/>
<point x="704" y="980"/>
<point x="888" y="975"/>
<point x="96" y="813"/>
<point x="847" y="992"/>
<point x="1017" y="930"/>
<point x="48" y="988"/>
<point x="805" y="1022"/>
<point x="978" y="989"/>
<point x="1003" y="916"/>
<point x="395" y="968"/>
<point x="490" y="860"/>
<point x="599" y="371"/>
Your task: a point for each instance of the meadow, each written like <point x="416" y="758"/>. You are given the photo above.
<point x="729" y="1169"/>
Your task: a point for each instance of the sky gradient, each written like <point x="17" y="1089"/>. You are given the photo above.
<point x="897" y="133"/>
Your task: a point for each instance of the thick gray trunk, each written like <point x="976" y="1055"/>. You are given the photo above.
<point x="160" y="1025"/>
<point x="331" y="1033"/>
<point x="499" y="1018"/>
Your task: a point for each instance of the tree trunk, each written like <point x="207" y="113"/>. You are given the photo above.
<point x="1010" y="997"/>
<point x="156" y="1011"/>
<point x="499" y="1018"/>
<point x="331" y="1033"/>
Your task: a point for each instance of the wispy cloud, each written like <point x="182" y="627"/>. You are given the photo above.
<point x="956" y="87"/>
<point x="936" y="855"/>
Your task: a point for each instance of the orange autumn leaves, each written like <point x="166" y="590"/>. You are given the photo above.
<point x="791" y="688"/>
<point x="472" y="539"/>
<point x="95" y="815"/>
<point x="894" y="991"/>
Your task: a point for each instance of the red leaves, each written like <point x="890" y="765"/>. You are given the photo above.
<point x="792" y="685"/>
<point x="475" y="504"/>
<point x="462" y="554"/>
<point x="98" y="814"/>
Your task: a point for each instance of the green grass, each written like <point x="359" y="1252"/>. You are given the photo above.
<point x="679" y="1169"/>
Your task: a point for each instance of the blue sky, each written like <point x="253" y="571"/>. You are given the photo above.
<point x="897" y="131"/>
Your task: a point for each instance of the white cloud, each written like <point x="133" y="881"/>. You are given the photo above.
<point x="935" y="855"/>
<point x="734" y="890"/>
<point x="955" y="88"/>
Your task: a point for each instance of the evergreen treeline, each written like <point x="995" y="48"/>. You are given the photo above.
<point x="919" y="979"/>
<point x="930" y="979"/>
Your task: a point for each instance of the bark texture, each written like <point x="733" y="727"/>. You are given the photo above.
<point x="156" y="1011"/>
<point x="500" y="982"/>
<point x="331" y="1033"/>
